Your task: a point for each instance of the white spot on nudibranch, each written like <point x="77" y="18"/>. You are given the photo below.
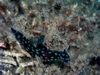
<point x="52" y="57"/>
<point x="42" y="51"/>
<point x="49" y="52"/>
<point x="36" y="49"/>
<point x="25" y="42"/>
<point x="56" y="54"/>
<point x="43" y="48"/>
<point x="63" y="54"/>
<point x="18" y="36"/>
<point x="33" y="50"/>
<point x="37" y="52"/>
<point x="43" y="54"/>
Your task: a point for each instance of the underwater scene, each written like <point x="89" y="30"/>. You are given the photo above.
<point x="49" y="37"/>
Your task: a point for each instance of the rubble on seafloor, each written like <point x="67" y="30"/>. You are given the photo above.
<point x="63" y="22"/>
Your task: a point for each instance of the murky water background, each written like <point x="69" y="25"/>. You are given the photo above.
<point x="63" y="22"/>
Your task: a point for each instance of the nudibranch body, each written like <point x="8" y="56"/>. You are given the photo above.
<point x="38" y="48"/>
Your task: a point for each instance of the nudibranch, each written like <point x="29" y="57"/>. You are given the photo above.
<point x="38" y="48"/>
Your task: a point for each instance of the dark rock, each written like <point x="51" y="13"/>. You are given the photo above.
<point x="90" y="36"/>
<point x="57" y="6"/>
<point x="98" y="61"/>
<point x="0" y="72"/>
<point x="92" y="61"/>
